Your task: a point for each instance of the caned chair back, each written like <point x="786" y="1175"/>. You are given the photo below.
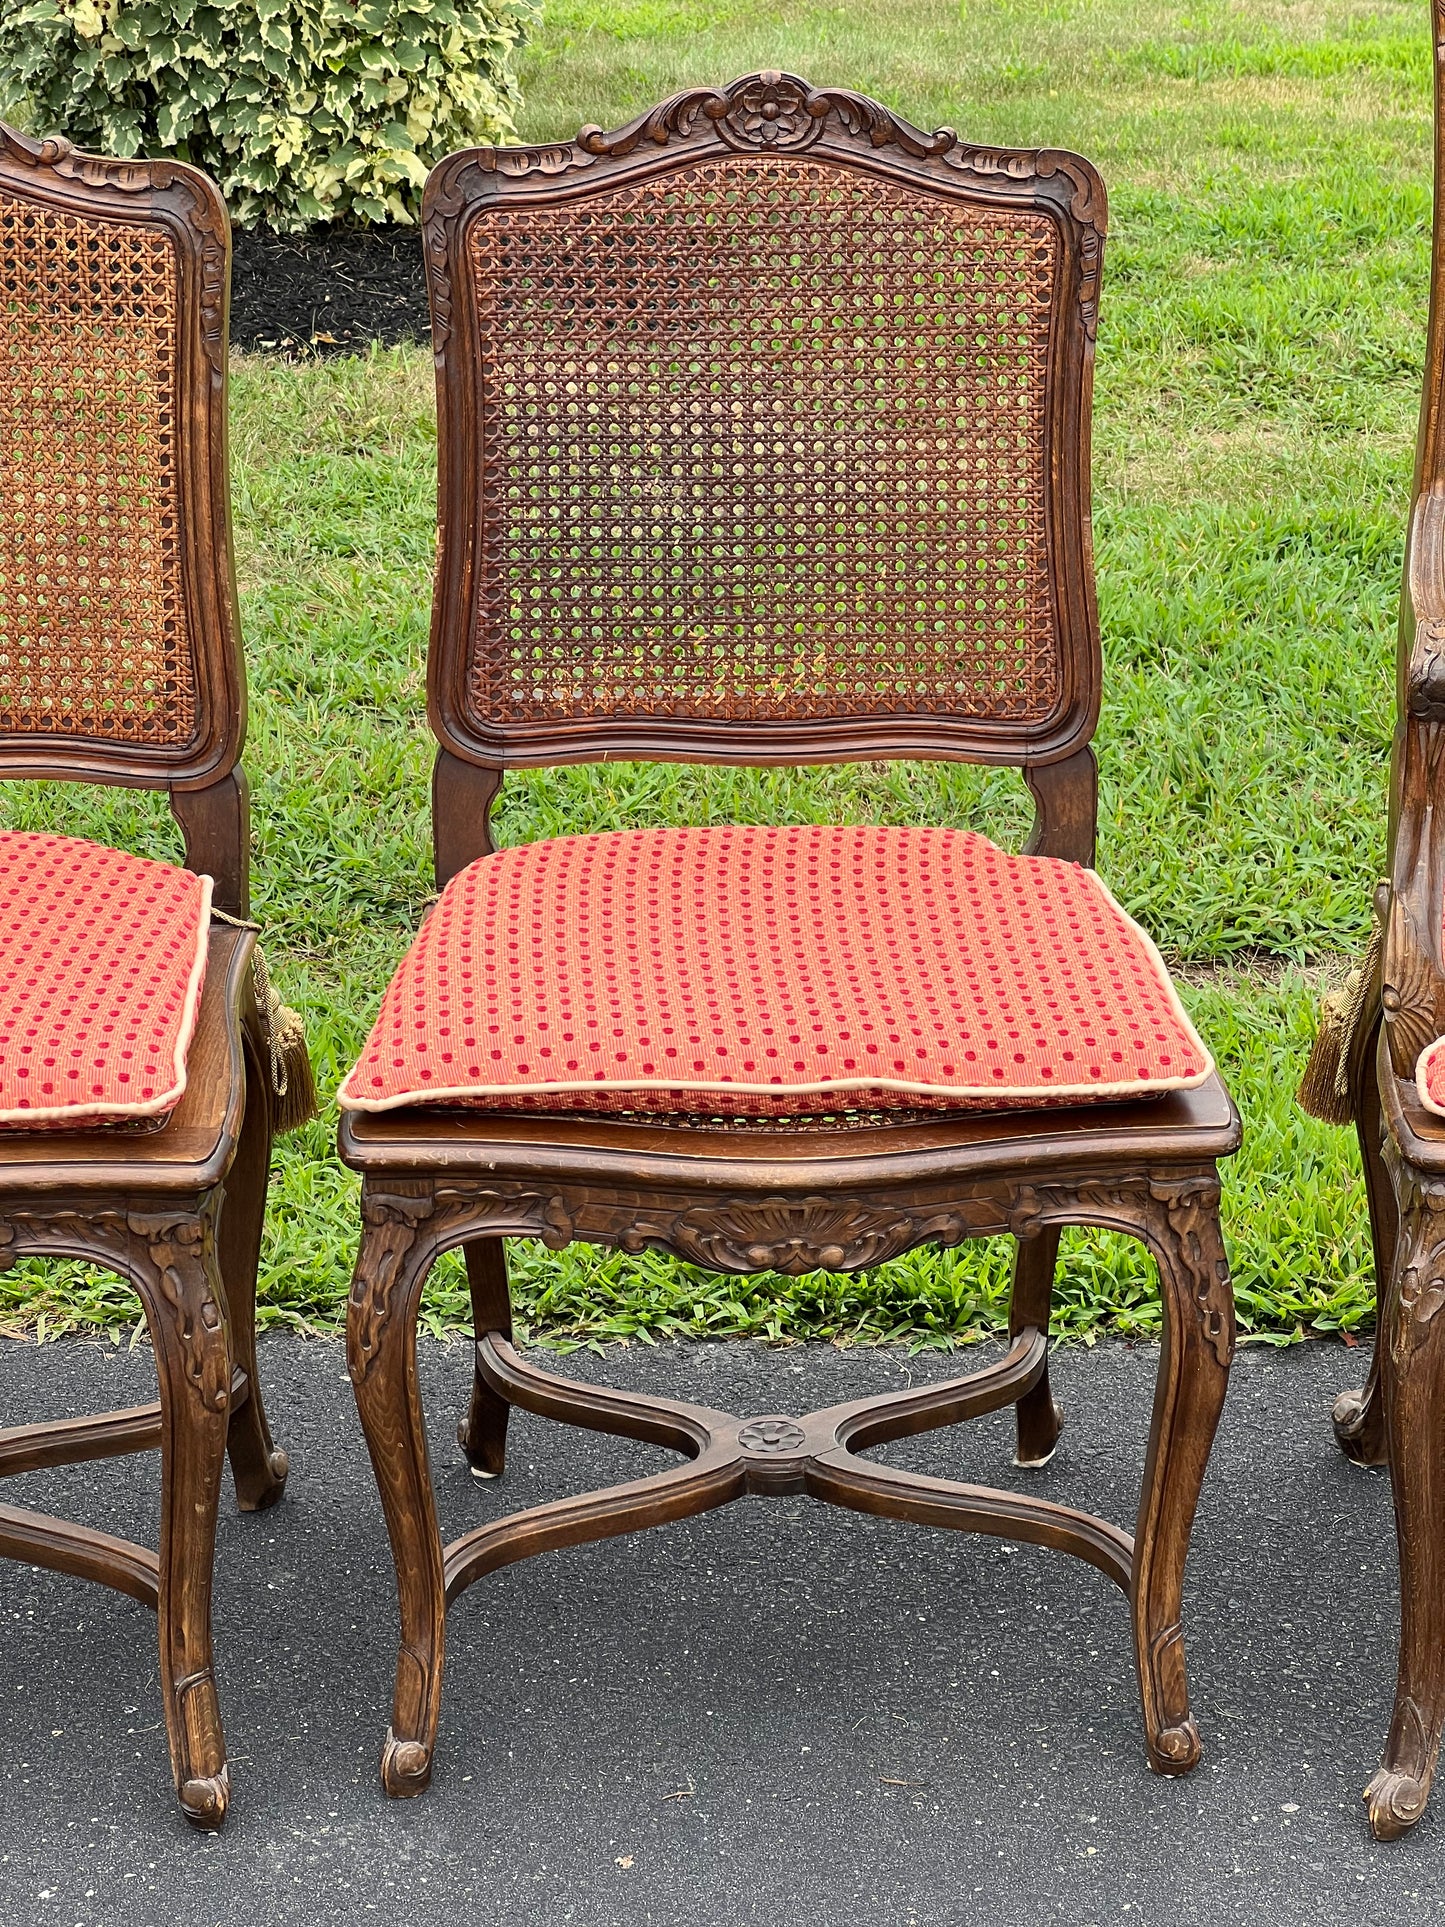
<point x="764" y="430"/>
<point x="119" y="643"/>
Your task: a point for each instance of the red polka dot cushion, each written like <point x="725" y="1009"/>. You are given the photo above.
<point x="758" y="972"/>
<point x="1430" y="1077"/>
<point x="102" y="959"/>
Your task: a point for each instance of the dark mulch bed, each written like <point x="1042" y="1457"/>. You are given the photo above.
<point x="329" y="291"/>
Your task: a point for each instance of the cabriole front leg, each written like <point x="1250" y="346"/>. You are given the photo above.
<point x="1410" y="1346"/>
<point x="391" y="1265"/>
<point x="181" y="1291"/>
<point x="1182" y="1229"/>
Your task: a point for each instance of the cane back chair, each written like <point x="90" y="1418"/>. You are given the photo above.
<point x="764" y="440"/>
<point x="120" y="663"/>
<point x="1391" y="1079"/>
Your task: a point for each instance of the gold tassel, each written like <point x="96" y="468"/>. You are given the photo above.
<point x="293" y="1084"/>
<point x="1325" y="1087"/>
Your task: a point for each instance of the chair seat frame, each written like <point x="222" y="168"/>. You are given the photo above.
<point x="750" y="1198"/>
<point x="745" y="1202"/>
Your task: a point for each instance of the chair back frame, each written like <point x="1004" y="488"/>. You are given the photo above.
<point x="768" y="114"/>
<point x="207" y="788"/>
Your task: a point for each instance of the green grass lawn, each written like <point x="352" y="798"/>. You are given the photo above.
<point x="1258" y="365"/>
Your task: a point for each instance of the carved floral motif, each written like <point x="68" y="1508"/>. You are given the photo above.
<point x="793" y="1235"/>
<point x="768" y="110"/>
<point x="392" y="1222"/>
<point x="1420" y="1293"/>
<point x="772" y="110"/>
<point x="182" y="1254"/>
<point x="1410" y="989"/>
<point x="772" y="1435"/>
<point x="1427" y="670"/>
<point x="1191" y="1211"/>
<point x="403" y="1214"/>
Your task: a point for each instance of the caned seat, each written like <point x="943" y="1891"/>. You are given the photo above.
<point x="139" y="1059"/>
<point x="763" y="440"/>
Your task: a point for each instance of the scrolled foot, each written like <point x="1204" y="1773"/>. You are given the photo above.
<point x="1395" y="1801"/>
<point x="262" y="1490"/>
<point x="204" y="1802"/>
<point x="483" y="1440"/>
<point x="1176" y="1749"/>
<point x="1360" y="1429"/>
<point x="405" y="1767"/>
<point x="1038" y="1438"/>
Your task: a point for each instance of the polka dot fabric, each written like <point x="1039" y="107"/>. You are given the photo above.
<point x="1430" y="1077"/>
<point x="102" y="959"/>
<point x="774" y="972"/>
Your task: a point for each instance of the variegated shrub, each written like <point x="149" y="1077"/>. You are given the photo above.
<point x="303" y="110"/>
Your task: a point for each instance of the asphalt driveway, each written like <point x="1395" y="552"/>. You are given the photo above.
<point x="779" y="1713"/>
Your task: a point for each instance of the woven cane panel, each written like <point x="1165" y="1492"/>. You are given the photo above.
<point x="798" y="1124"/>
<point x="763" y="440"/>
<point x="93" y="634"/>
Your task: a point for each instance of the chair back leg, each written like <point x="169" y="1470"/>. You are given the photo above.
<point x="1037" y="1417"/>
<point x="482" y="1434"/>
<point x="258" y="1465"/>
<point x="1359" y="1416"/>
<point x="1410" y="1350"/>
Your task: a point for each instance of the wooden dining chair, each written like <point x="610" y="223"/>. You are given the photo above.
<point x="1389" y="1052"/>
<point x="137" y="1094"/>
<point x="764" y="440"/>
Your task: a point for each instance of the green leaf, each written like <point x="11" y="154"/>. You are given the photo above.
<point x="303" y="109"/>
